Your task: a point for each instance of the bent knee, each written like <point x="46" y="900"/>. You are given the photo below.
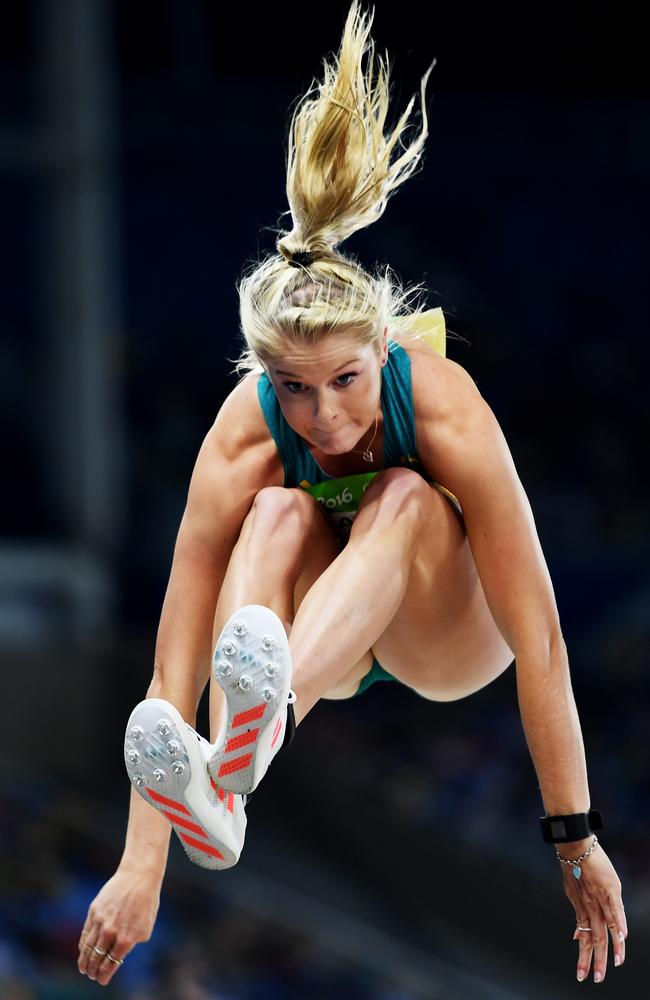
<point x="283" y="510"/>
<point x="399" y="492"/>
<point x="282" y="500"/>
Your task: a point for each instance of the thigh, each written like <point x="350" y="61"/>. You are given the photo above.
<point x="443" y="641"/>
<point x="322" y="549"/>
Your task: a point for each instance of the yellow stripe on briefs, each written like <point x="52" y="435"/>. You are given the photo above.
<point x="448" y="494"/>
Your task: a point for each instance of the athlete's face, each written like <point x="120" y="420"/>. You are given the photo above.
<point x="329" y="392"/>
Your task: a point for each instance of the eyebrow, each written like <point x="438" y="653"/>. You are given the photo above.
<point x="278" y="371"/>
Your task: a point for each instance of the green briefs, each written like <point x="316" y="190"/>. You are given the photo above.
<point x="376" y="673"/>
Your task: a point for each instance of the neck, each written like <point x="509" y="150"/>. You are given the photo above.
<point x="352" y="461"/>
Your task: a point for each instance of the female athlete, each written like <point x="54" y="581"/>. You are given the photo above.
<point x="354" y="514"/>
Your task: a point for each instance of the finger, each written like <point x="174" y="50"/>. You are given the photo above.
<point x="617" y="924"/>
<point x="582" y="926"/>
<point x="99" y="950"/>
<point x="585" y="950"/>
<point x="86" y="941"/>
<point x="85" y="932"/>
<point x="600" y="945"/>
<point x="618" y="943"/>
<point x="112" y="963"/>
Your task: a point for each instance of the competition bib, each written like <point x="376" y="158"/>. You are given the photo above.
<point x="341" y="498"/>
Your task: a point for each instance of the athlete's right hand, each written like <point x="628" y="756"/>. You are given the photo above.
<point x="121" y="915"/>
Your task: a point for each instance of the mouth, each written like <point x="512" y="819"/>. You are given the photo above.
<point x="315" y="430"/>
<point x="328" y="441"/>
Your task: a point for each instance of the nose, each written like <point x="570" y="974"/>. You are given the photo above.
<point x="324" y="411"/>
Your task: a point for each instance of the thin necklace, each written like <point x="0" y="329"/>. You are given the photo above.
<point x="367" y="454"/>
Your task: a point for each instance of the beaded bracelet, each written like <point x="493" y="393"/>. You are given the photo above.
<point x="576" y="861"/>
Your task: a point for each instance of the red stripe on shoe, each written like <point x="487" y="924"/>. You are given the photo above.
<point x="276" y="732"/>
<point x="235" y="765"/>
<point x="206" y="848"/>
<point x="240" y="741"/>
<point x="168" y="802"/>
<point x="231" y="802"/>
<point x="249" y="716"/>
<point x="219" y="789"/>
<point x="181" y="821"/>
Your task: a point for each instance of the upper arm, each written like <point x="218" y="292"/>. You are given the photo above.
<point x="463" y="447"/>
<point x="237" y="459"/>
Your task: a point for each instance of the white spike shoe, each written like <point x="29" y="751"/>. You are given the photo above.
<point x="252" y="665"/>
<point x="166" y="761"/>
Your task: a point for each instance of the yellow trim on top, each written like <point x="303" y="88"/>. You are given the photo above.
<point x="429" y="326"/>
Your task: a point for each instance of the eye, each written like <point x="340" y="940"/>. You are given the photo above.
<point x="347" y="375"/>
<point x="295" y="388"/>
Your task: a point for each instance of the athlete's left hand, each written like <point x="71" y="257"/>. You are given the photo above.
<point x="597" y="901"/>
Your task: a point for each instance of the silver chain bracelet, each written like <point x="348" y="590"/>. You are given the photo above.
<point x="575" y="862"/>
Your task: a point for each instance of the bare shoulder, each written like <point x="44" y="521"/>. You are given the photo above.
<point x="457" y="434"/>
<point x="240" y="422"/>
<point x="239" y="441"/>
<point x="442" y="389"/>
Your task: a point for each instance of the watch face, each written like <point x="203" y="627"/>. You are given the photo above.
<point x="558" y="829"/>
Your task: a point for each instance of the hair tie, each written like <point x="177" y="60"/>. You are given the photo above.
<point x="302" y="258"/>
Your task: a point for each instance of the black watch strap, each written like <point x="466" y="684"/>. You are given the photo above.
<point x="577" y="826"/>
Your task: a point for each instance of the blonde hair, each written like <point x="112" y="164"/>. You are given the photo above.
<point x="341" y="171"/>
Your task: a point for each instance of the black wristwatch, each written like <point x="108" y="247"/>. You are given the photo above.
<point x="577" y="826"/>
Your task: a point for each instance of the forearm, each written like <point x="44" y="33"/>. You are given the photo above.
<point x="182" y="663"/>
<point x="552" y="728"/>
<point x="147" y="838"/>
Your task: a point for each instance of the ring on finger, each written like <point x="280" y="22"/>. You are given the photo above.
<point x="584" y="928"/>
<point x="115" y="961"/>
<point x="98" y="951"/>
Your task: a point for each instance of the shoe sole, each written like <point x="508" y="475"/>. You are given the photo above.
<point x="166" y="767"/>
<point x="255" y="679"/>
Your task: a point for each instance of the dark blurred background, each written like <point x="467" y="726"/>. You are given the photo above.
<point x="142" y="157"/>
